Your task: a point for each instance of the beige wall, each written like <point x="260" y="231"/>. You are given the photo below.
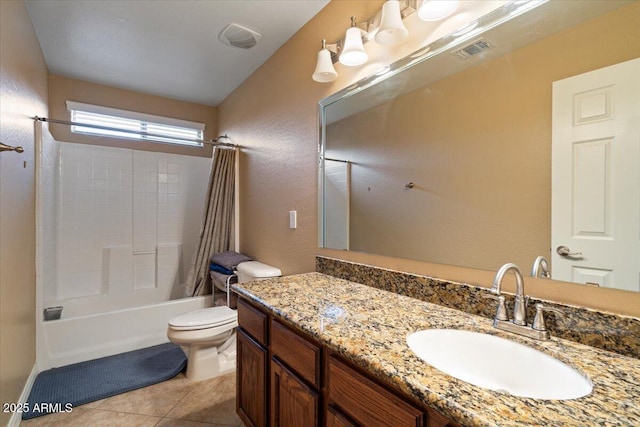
<point x="477" y="146"/>
<point x="273" y="114"/>
<point x="23" y="94"/>
<point x="62" y="89"/>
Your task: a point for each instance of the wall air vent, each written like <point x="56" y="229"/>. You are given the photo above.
<point x="237" y="35"/>
<point x="473" y="49"/>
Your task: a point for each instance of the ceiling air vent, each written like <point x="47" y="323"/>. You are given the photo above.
<point x="473" y="49"/>
<point x="237" y="35"/>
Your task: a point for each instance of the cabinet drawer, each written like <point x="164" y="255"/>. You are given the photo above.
<point x="367" y="402"/>
<point x="435" y="419"/>
<point x="336" y="419"/>
<point x="253" y="321"/>
<point x="298" y="353"/>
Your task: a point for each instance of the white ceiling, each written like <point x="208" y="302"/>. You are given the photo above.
<point x="167" y="47"/>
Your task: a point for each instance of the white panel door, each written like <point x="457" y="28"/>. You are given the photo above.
<point x="596" y="177"/>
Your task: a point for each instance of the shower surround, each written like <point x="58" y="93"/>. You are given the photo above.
<point x="116" y="231"/>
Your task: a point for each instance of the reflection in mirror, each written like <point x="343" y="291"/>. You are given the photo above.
<point x="487" y="158"/>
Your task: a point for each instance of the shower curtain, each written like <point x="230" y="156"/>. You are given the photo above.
<point x="217" y="225"/>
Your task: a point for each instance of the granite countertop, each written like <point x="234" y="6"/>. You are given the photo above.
<point x="369" y="326"/>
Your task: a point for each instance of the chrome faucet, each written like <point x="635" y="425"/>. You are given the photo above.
<point x="519" y="324"/>
<point x="540" y="268"/>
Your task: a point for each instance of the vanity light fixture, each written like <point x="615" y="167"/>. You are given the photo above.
<point x="324" y="72"/>
<point x="386" y="27"/>
<point x="392" y="31"/>
<point x="435" y="10"/>
<point x="353" y="53"/>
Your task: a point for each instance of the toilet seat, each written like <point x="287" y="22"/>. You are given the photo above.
<point x="205" y="318"/>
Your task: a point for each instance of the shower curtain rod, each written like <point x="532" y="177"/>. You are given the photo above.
<point x="335" y="160"/>
<point x="214" y="142"/>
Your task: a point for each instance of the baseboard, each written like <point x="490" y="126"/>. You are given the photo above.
<point x="17" y="416"/>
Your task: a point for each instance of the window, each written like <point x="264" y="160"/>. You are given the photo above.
<point x="115" y="123"/>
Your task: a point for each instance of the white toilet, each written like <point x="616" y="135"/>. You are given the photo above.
<point x="210" y="333"/>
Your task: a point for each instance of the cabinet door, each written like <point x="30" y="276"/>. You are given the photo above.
<point x="251" y="386"/>
<point x="293" y="404"/>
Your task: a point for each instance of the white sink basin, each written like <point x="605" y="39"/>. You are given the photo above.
<point x="498" y="364"/>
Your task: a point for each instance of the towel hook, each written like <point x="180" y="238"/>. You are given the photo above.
<point x="5" y="147"/>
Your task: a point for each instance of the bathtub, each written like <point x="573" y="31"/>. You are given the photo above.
<point x="85" y="337"/>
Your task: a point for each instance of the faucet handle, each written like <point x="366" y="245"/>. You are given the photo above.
<point x="538" y="321"/>
<point x="501" y="313"/>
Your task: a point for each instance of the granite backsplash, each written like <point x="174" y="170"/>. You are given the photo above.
<point x="616" y="333"/>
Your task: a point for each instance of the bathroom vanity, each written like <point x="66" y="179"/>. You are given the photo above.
<point x="317" y="350"/>
<point x="291" y="393"/>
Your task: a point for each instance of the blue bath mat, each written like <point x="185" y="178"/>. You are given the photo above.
<point x="62" y="389"/>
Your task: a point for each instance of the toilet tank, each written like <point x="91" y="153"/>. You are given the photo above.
<point x="254" y="270"/>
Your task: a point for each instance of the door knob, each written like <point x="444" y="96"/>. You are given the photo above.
<point x="566" y="252"/>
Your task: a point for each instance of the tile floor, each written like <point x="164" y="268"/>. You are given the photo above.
<point x="174" y="403"/>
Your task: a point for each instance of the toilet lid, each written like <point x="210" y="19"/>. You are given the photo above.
<point x="205" y="318"/>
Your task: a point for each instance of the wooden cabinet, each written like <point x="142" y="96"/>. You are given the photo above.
<point x="300" y="354"/>
<point x="267" y="349"/>
<point x="251" y="381"/>
<point x="295" y="378"/>
<point x="337" y="419"/>
<point x="293" y="403"/>
<point x="437" y="420"/>
<point x="286" y="379"/>
<point x="366" y="402"/>
<point x="253" y="321"/>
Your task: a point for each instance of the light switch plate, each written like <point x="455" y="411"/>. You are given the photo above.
<point x="293" y="219"/>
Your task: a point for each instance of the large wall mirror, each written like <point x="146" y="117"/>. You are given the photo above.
<point x="519" y="140"/>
